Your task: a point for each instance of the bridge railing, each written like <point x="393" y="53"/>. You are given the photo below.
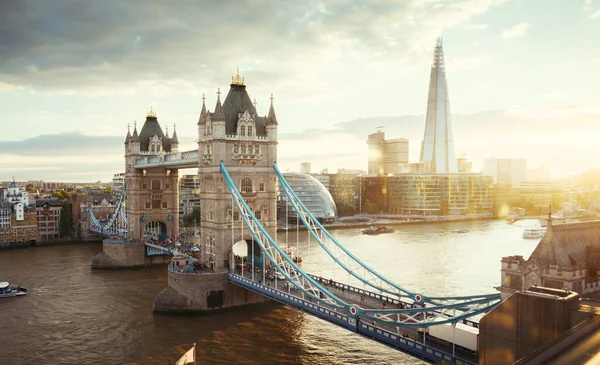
<point x="349" y="321"/>
<point x="382" y="297"/>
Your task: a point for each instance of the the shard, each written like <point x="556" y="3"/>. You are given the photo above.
<point x="438" y="142"/>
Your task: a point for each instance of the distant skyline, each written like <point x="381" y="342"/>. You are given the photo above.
<point x="521" y="77"/>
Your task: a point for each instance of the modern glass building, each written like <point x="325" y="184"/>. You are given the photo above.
<point x="431" y="194"/>
<point x="313" y="195"/>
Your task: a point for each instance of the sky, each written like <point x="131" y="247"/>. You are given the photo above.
<point x="522" y="78"/>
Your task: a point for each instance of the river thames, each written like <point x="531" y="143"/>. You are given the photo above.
<point x="73" y="315"/>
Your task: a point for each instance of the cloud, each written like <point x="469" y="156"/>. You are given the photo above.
<point x="515" y="31"/>
<point x="595" y="15"/>
<point x="587" y="5"/>
<point x="555" y="137"/>
<point x="124" y="46"/>
<point x="475" y="26"/>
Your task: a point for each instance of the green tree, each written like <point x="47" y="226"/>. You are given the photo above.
<point x="370" y="208"/>
<point x="188" y="219"/>
<point x="346" y="210"/>
<point x="66" y="220"/>
<point x="61" y="194"/>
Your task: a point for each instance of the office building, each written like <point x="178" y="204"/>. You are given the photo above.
<point x="506" y="171"/>
<point x="386" y="156"/>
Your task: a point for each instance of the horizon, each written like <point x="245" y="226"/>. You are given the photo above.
<point x="71" y="83"/>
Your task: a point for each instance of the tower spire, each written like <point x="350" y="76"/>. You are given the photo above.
<point x="438" y="141"/>
<point x="272" y="117"/>
<point x="135" y="137"/>
<point x="174" y="137"/>
<point x="202" y="117"/>
<point x="218" y="114"/>
<point x="128" y="137"/>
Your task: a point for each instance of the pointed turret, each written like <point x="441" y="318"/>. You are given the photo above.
<point x="218" y="115"/>
<point x="167" y="132"/>
<point x="272" y="119"/>
<point x="438" y="141"/>
<point x="128" y="137"/>
<point x="203" y="112"/>
<point x="174" y="137"/>
<point x="135" y="138"/>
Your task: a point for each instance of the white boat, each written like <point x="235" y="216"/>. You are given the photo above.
<point x="7" y="290"/>
<point x="537" y="232"/>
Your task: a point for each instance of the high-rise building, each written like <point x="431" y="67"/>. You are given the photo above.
<point x="305" y="168"/>
<point x="386" y="156"/>
<point x="396" y="154"/>
<point x="506" y="171"/>
<point x="376" y="143"/>
<point x="438" y="142"/>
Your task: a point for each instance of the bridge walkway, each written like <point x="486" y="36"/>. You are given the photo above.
<point x="371" y="300"/>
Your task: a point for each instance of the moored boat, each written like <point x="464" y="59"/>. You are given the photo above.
<point x="537" y="232"/>
<point x="377" y="230"/>
<point x="7" y="290"/>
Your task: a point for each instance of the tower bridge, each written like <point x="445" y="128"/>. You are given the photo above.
<point x="236" y="160"/>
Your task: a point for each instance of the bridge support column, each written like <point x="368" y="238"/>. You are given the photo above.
<point x="202" y="293"/>
<point x="125" y="255"/>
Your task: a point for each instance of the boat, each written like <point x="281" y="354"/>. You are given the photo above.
<point x="377" y="230"/>
<point x="7" y="290"/>
<point x="537" y="232"/>
<point x="460" y="231"/>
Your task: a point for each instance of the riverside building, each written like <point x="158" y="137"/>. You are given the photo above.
<point x="312" y="194"/>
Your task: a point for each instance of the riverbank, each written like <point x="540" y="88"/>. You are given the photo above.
<point x="387" y="221"/>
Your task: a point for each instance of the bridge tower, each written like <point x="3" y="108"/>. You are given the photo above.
<point x="247" y="144"/>
<point x="152" y="194"/>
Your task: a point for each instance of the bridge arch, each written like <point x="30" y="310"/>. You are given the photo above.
<point x="156" y="229"/>
<point x="248" y="250"/>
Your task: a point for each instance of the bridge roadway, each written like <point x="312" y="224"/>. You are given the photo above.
<point x="352" y="295"/>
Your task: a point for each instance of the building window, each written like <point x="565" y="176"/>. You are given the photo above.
<point x="249" y="131"/>
<point x="256" y="150"/>
<point x="261" y="186"/>
<point x="246" y="185"/>
<point x="242" y="130"/>
<point x="147" y="205"/>
<point x="144" y="186"/>
<point x="167" y="186"/>
<point x="164" y="205"/>
<point x="155" y="185"/>
<point x="236" y="149"/>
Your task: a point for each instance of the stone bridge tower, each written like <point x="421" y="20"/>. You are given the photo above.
<point x="247" y="144"/>
<point x="152" y="194"/>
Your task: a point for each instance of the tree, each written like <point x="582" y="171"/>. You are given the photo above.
<point x="370" y="208"/>
<point x="188" y="219"/>
<point x="62" y="194"/>
<point x="66" y="220"/>
<point x="346" y="210"/>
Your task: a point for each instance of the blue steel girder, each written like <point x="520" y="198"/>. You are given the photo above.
<point x="363" y="272"/>
<point x="281" y="261"/>
<point x="109" y="228"/>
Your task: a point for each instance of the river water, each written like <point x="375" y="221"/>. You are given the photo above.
<point x="73" y="315"/>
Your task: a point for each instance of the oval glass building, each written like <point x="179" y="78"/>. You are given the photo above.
<point x="312" y="193"/>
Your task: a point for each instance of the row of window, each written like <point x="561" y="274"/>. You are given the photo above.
<point x="247" y="186"/>
<point x="156" y="204"/>
<point x="243" y="131"/>
<point x="246" y="149"/>
<point x="155" y="185"/>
